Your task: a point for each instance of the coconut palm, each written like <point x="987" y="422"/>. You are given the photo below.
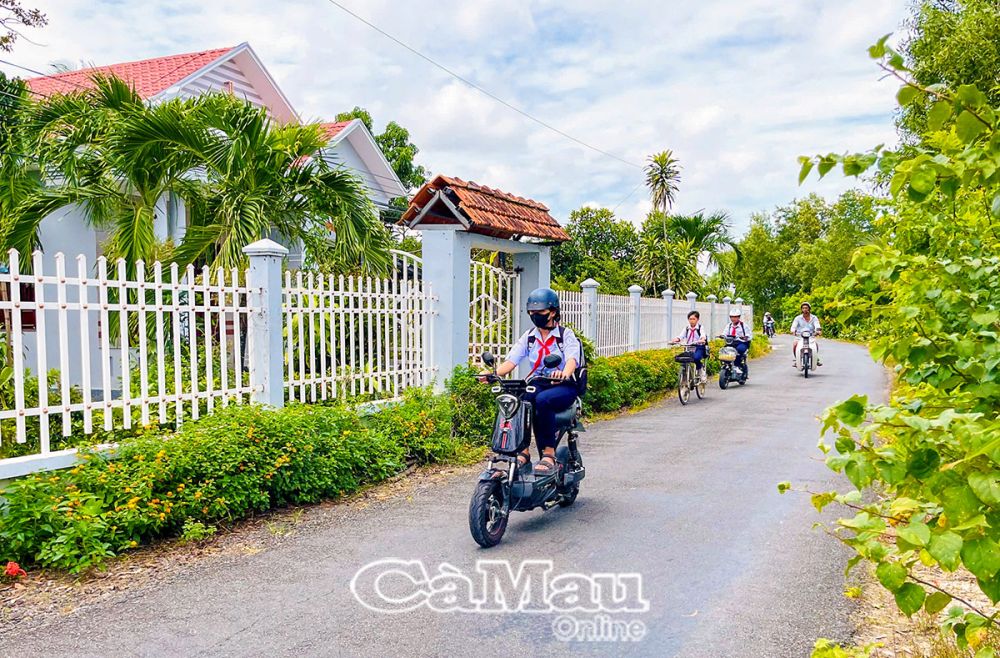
<point x="663" y="176"/>
<point x="242" y="177"/>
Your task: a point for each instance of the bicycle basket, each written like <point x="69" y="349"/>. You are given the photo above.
<point x="684" y="357"/>
<point x="727" y="354"/>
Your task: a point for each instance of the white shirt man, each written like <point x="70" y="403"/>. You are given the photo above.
<point x="805" y="321"/>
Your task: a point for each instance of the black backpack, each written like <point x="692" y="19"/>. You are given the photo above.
<point x="580" y="376"/>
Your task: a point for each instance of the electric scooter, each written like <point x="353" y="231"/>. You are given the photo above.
<point x="730" y="372"/>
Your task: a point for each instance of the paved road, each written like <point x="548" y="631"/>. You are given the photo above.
<point x="686" y="497"/>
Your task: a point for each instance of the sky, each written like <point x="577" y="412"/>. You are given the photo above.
<point x="738" y="89"/>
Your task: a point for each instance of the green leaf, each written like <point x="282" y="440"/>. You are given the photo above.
<point x="991" y="588"/>
<point x="877" y="51"/>
<point x="825" y="165"/>
<point x="892" y="575"/>
<point x="938" y="114"/>
<point x="784" y="486"/>
<point x="986" y="317"/>
<point x="936" y="602"/>
<point x="910" y="598"/>
<point x="807" y="165"/>
<point x="916" y="533"/>
<point x="995" y="207"/>
<point x="971" y="96"/>
<point x="946" y="548"/>
<point x="981" y="557"/>
<point x="923" y="463"/>
<point x="907" y="94"/>
<point x="923" y="180"/>
<point x="986" y="652"/>
<point x="968" y="127"/>
<point x="852" y="411"/>
<point x="986" y="487"/>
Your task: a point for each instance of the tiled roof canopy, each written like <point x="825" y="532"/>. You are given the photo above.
<point x="486" y="211"/>
<point x="148" y="76"/>
<point x="330" y="130"/>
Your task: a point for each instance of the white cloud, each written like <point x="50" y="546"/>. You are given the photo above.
<point x="737" y="88"/>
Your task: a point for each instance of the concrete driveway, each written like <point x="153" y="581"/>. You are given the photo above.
<point x="685" y="497"/>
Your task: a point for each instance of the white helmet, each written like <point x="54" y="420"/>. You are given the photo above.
<point x="735" y="312"/>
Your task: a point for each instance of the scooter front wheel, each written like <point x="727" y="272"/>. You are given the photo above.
<point x="723" y="379"/>
<point x="487" y="522"/>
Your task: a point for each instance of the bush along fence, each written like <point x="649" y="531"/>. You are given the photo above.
<point x="97" y="356"/>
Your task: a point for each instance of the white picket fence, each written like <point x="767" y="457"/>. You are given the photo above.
<point x="626" y="323"/>
<point x="119" y="349"/>
<point x="160" y="345"/>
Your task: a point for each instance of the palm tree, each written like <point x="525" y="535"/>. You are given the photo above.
<point x="89" y="155"/>
<point x="262" y="178"/>
<point x="242" y="176"/>
<point x="708" y="234"/>
<point x="663" y="176"/>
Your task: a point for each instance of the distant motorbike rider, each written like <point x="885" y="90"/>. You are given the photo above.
<point x="547" y="337"/>
<point x="739" y="329"/>
<point x="768" y="322"/>
<point x="693" y="335"/>
<point x="806" y="321"/>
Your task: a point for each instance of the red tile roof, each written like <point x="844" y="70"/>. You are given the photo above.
<point x="148" y="76"/>
<point x="489" y="211"/>
<point x="330" y="130"/>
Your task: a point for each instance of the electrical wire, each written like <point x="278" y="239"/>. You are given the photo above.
<point x="482" y="90"/>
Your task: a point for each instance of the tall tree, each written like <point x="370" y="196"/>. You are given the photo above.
<point x="708" y="233"/>
<point x="602" y="247"/>
<point x="396" y="146"/>
<point x="954" y="43"/>
<point x="663" y="177"/>
<point x="13" y="17"/>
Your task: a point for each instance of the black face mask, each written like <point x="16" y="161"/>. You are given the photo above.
<point x="540" y="320"/>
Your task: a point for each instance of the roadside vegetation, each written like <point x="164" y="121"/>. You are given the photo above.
<point x="926" y="466"/>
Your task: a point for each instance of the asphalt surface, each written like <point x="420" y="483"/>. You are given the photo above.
<point x="684" y="496"/>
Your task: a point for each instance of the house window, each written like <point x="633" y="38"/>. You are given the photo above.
<point x="227" y="87"/>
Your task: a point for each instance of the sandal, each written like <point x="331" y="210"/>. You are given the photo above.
<point x="546" y="465"/>
<point x="524" y="460"/>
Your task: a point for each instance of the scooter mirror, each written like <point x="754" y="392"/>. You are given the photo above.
<point x="552" y="360"/>
<point x="489" y="359"/>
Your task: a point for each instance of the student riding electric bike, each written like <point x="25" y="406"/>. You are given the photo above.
<point x="506" y="486"/>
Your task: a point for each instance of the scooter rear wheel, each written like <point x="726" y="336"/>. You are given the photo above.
<point x="486" y="519"/>
<point x="569" y="494"/>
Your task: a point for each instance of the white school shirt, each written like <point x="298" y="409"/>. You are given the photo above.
<point x="800" y="324"/>
<point x="538" y="349"/>
<point x="742" y="330"/>
<point x="686" y="337"/>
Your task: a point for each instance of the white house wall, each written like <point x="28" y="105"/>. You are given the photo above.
<point x="215" y="81"/>
<point x="344" y="153"/>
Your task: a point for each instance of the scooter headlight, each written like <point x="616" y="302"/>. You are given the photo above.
<point x="508" y="405"/>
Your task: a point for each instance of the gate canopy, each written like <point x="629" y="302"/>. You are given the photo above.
<point x="468" y="206"/>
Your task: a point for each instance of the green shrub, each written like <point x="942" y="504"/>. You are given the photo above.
<point x="237" y="462"/>
<point x="472" y="406"/>
<point x="604" y="390"/>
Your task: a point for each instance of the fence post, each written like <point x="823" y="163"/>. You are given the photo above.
<point x="692" y="301"/>
<point x="264" y="332"/>
<point x="669" y="296"/>
<point x="711" y="314"/>
<point x="635" y="293"/>
<point x="726" y="301"/>
<point x="590" y="312"/>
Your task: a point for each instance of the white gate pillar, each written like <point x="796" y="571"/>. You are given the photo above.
<point x="264" y="333"/>
<point x="590" y="312"/>
<point x="711" y="314"/>
<point x="692" y="301"/>
<point x="669" y="296"/>
<point x="446" y="256"/>
<point x="635" y="294"/>
<point x="535" y="268"/>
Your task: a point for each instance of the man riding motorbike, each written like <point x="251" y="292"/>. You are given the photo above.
<point x="547" y="337"/>
<point x="738" y="329"/>
<point x="806" y="321"/>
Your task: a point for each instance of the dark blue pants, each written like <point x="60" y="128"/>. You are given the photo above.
<point x="549" y="400"/>
<point x="699" y="354"/>
<point x="741" y="352"/>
